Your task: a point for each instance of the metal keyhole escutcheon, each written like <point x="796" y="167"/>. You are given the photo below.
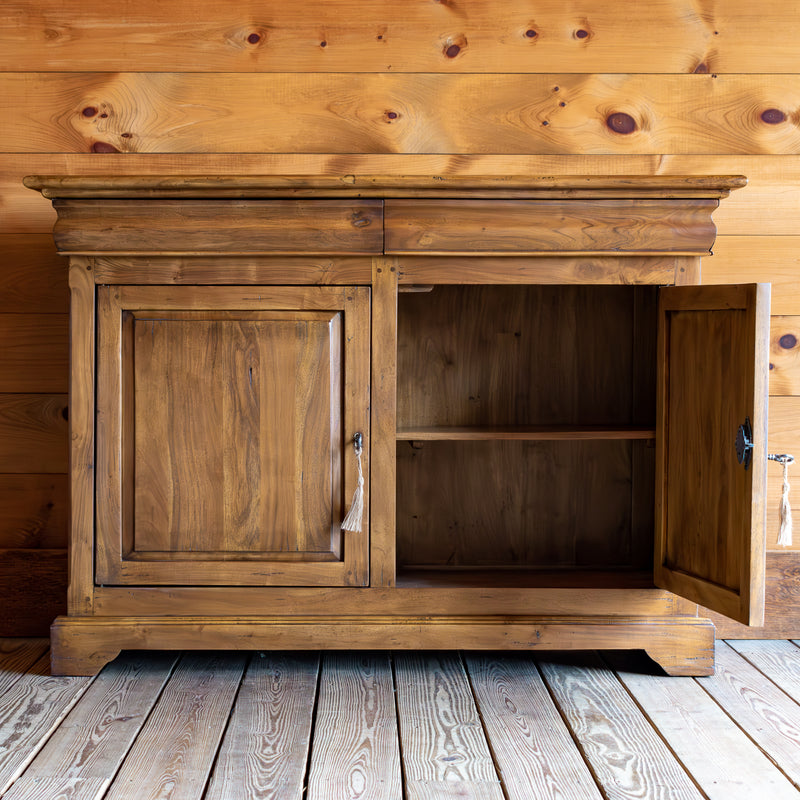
<point x="744" y="443"/>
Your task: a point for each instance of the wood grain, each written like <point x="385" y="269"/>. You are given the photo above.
<point x="33" y="279"/>
<point x="711" y="553"/>
<point x="35" y="353"/>
<point x="34" y="585"/>
<point x="520" y="226"/>
<point x="17" y="656"/>
<point x="89" y="746"/>
<point x="31" y="709"/>
<point x="531" y="744"/>
<point x="175" y="750"/>
<point x="355" y="742"/>
<point x="784" y="437"/>
<point x="784" y="356"/>
<point x="265" y="750"/>
<point x="33" y="511"/>
<point x="720" y="757"/>
<point x="435" y="113"/>
<point x="281" y="226"/>
<point x="490" y="36"/>
<point x="627" y="757"/>
<point x="445" y="753"/>
<point x="758" y="706"/>
<point x="33" y="433"/>
<point x="779" y="661"/>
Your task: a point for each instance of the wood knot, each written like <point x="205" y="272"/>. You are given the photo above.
<point x="701" y="69"/>
<point x="104" y="147"/>
<point x="621" y="123"/>
<point x="359" y="221"/>
<point x="89" y="111"/>
<point x="531" y="33"/>
<point x="788" y="341"/>
<point x="773" y="116"/>
<point x="581" y="33"/>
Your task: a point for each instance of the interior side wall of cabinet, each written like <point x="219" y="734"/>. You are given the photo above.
<point x="410" y="88"/>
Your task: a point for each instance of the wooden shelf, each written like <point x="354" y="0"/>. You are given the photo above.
<point x="523" y="433"/>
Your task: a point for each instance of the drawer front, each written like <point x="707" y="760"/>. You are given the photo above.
<point x="220" y="226"/>
<point x="536" y="226"/>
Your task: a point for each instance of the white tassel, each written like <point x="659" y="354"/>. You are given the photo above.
<point x="785" y="512"/>
<point x="352" y="522"/>
<point x="785" y="535"/>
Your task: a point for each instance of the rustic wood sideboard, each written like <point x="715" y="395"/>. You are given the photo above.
<point x="547" y="398"/>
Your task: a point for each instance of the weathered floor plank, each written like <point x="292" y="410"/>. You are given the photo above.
<point x="174" y="753"/>
<point x="627" y="756"/>
<point x="355" y="752"/>
<point x="265" y="750"/>
<point x="720" y="757"/>
<point x="533" y="749"/>
<point x="445" y="753"/>
<point x="31" y="710"/>
<point x="779" y="660"/>
<point x="88" y="747"/>
<point x="17" y="656"/>
<point x="759" y="707"/>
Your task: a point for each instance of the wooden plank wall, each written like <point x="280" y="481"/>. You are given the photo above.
<point x="418" y="87"/>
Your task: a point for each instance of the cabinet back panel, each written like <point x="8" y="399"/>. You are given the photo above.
<point x="518" y="503"/>
<point x="229" y="454"/>
<point x="522" y="355"/>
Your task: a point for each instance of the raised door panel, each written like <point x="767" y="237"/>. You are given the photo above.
<point x="224" y="421"/>
<point x="710" y="509"/>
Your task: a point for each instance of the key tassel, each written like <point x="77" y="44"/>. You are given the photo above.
<point x="785" y="511"/>
<point x="352" y="522"/>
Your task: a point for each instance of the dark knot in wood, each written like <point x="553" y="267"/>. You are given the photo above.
<point x="773" y="116"/>
<point x="621" y="123"/>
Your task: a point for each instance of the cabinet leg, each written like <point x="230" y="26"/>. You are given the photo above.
<point x="72" y="653"/>
<point x="685" y="652"/>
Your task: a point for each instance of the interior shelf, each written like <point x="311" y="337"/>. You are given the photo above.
<point x="524" y="433"/>
<point x="517" y="578"/>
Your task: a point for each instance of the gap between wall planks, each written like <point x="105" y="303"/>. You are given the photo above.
<point x="420" y="113"/>
<point x="372" y="36"/>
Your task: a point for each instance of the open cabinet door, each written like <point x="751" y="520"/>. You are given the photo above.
<point x="713" y="351"/>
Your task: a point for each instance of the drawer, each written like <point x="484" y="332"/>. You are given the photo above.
<point x="534" y="226"/>
<point x="220" y="226"/>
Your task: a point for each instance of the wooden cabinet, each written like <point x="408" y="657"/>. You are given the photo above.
<point x="549" y="428"/>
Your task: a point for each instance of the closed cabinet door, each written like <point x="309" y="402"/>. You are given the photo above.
<point x="226" y="419"/>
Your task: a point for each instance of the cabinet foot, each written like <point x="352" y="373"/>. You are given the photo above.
<point x="73" y="653"/>
<point x="687" y="652"/>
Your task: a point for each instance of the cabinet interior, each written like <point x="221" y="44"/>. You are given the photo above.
<point x="525" y="434"/>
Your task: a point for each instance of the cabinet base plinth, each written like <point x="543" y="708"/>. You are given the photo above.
<point x="681" y="645"/>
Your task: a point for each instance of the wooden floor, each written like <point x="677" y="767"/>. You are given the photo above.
<point x="341" y="726"/>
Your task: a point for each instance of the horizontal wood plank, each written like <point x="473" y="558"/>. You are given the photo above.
<point x="779" y="661"/>
<point x="34" y="590"/>
<point x="35" y="352"/>
<point x="137" y="112"/>
<point x="769" y="205"/>
<point x="773" y="259"/>
<point x="487" y="36"/>
<point x="33" y="433"/>
<point x="33" y="511"/>
<point x="782" y="608"/>
<point x="33" y="279"/>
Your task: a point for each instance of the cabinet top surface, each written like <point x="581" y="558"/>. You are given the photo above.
<point x="441" y="186"/>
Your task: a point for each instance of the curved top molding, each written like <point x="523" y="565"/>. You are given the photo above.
<point x="415" y="186"/>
